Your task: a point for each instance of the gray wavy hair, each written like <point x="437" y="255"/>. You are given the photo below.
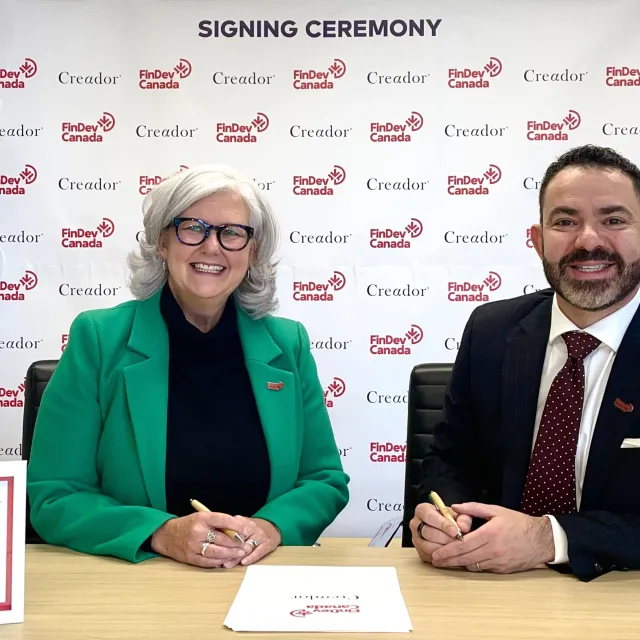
<point x="256" y="292"/>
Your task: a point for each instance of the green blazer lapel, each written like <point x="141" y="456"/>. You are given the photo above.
<point x="146" y="384"/>
<point x="274" y="391"/>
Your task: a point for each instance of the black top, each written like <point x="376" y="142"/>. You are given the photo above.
<point x="216" y="450"/>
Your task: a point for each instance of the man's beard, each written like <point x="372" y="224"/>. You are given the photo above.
<point x="592" y="295"/>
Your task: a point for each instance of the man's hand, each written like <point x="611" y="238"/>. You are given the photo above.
<point x="509" y="542"/>
<point x="437" y="531"/>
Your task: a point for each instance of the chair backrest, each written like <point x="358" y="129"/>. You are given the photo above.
<point x="38" y="375"/>
<point x="427" y="386"/>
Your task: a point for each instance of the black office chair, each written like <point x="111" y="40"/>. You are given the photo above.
<point x="38" y="375"/>
<point x="427" y="386"/>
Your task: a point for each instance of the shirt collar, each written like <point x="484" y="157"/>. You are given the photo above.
<point x="609" y="330"/>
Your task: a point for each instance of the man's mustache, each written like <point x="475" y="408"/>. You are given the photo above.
<point x="596" y="255"/>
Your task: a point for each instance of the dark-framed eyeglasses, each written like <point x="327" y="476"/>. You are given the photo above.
<point x="232" y="237"/>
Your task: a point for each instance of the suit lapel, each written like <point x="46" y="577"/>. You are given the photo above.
<point x="274" y="390"/>
<point x="521" y="373"/>
<point x="146" y="384"/>
<point x="612" y="423"/>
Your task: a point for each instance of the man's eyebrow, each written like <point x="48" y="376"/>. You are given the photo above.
<point x="570" y="211"/>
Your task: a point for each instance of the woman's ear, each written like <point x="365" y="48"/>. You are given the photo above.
<point x="163" y="242"/>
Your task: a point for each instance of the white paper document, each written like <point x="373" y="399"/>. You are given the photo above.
<point x="306" y="599"/>
<point x="13" y="499"/>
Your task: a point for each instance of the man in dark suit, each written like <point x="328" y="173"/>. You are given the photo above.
<point x="538" y="448"/>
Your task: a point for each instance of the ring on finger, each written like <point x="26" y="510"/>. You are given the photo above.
<point x="478" y="567"/>
<point x="253" y="542"/>
<point x="211" y="536"/>
<point x="420" y="530"/>
<point x="203" y="549"/>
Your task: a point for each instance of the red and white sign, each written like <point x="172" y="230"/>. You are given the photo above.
<point x="13" y="499"/>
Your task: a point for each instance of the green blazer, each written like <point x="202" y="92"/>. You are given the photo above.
<point x="96" y="475"/>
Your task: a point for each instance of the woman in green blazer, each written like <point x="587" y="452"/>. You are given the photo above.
<point x="191" y="391"/>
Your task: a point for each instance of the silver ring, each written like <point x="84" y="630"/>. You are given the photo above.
<point x="211" y="536"/>
<point x="253" y="542"/>
<point x="204" y="548"/>
<point x="478" y="567"/>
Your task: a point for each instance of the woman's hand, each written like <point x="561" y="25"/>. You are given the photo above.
<point x="264" y="533"/>
<point x="182" y="539"/>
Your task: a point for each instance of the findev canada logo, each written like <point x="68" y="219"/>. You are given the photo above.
<point x="12" y="397"/>
<point x="319" y="185"/>
<point x="387" y="452"/>
<point x="622" y="77"/>
<point x="395" y="238"/>
<point x="473" y="291"/>
<point x="147" y="183"/>
<point x="87" y="238"/>
<point x="396" y="132"/>
<point x="335" y="389"/>
<point x="388" y="345"/>
<point x="88" y="132"/>
<point x="16" y="185"/>
<point x="242" y="133"/>
<point x="14" y="291"/>
<point x="156" y="79"/>
<point x="466" y="185"/>
<point x="14" y="79"/>
<point x="324" y="608"/>
<point x="314" y="80"/>
<point x="313" y="291"/>
<point x="466" y="78"/>
<point x="541" y="130"/>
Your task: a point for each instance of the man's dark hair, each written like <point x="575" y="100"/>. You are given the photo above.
<point x="592" y="157"/>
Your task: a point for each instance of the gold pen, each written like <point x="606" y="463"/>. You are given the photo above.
<point x="439" y="505"/>
<point x="198" y="506"/>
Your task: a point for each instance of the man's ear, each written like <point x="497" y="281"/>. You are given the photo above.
<point x="536" y="238"/>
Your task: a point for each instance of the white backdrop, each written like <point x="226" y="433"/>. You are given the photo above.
<point x="416" y="132"/>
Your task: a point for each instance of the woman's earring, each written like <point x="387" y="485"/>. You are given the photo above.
<point x="164" y="265"/>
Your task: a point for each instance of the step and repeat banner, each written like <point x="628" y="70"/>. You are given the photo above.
<point x="401" y="145"/>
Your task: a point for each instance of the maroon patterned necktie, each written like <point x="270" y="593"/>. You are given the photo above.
<point x="551" y="482"/>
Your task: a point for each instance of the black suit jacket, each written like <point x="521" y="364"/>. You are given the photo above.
<point x="482" y="445"/>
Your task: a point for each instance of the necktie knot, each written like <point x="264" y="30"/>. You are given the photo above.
<point x="579" y="344"/>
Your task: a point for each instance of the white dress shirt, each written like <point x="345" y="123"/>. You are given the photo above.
<point x="597" y="367"/>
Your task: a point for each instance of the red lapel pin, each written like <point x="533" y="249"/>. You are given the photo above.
<point x="623" y="406"/>
<point x="275" y="386"/>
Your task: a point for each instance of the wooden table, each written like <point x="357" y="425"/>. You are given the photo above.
<point x="70" y="596"/>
